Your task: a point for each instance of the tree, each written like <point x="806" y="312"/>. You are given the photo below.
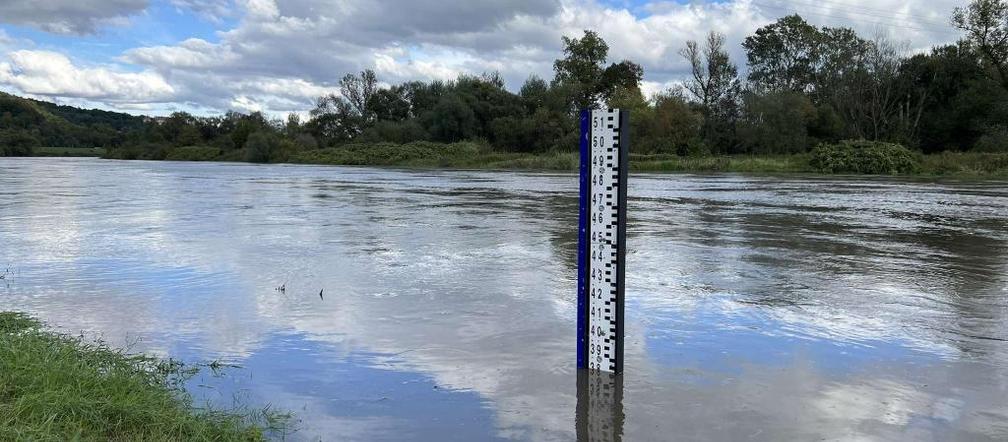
<point x="358" y="90"/>
<point x="623" y="76"/>
<point x="245" y="125"/>
<point x="840" y="52"/>
<point x="423" y="96"/>
<point x="582" y="71"/>
<point x="671" y="126"/>
<point x="180" y="125"/>
<point x="487" y="99"/>
<point x="777" y="122"/>
<point x="715" y="84"/>
<point x="582" y="67"/>
<point x="884" y="107"/>
<point x="334" y="120"/>
<point x="259" y="147"/>
<point x="188" y="136"/>
<point x="390" y="104"/>
<point x="714" y="76"/>
<point x="783" y="55"/>
<point x="533" y="93"/>
<point x="986" y="26"/>
<point x="293" y="125"/>
<point x="451" y="120"/>
<point x="866" y="91"/>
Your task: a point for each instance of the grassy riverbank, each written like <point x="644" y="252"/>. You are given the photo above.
<point x="59" y="387"/>
<point x="471" y="155"/>
<point x="53" y="151"/>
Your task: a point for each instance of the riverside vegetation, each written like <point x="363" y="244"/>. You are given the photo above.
<point x="812" y="99"/>
<point x="59" y="387"/>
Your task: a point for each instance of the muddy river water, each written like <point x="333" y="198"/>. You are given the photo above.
<point x="757" y="308"/>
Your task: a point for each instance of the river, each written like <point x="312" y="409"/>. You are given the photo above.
<point x="757" y="308"/>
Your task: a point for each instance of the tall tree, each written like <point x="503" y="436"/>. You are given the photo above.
<point x="391" y="104"/>
<point x="451" y="120"/>
<point x="783" y="55"/>
<point x="943" y="79"/>
<point x="715" y="84"/>
<point x="293" y="125"/>
<point x="714" y="76"/>
<point x="334" y="119"/>
<point x="841" y="51"/>
<point x="623" y="76"/>
<point x="582" y="67"/>
<point x="986" y="26"/>
<point x="533" y="92"/>
<point x="358" y="90"/>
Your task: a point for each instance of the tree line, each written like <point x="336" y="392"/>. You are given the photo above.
<point x="803" y="85"/>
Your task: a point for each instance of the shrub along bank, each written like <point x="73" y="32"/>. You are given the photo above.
<point x="864" y="157"/>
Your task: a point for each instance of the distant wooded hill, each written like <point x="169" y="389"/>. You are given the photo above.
<point x="26" y="123"/>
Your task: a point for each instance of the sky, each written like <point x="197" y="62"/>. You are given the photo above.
<point x="276" y="56"/>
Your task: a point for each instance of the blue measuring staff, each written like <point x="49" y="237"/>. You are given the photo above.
<point x="602" y="238"/>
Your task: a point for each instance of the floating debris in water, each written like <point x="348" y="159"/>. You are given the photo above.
<point x="320" y="295"/>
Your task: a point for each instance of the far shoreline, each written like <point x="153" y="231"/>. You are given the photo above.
<point x="476" y="156"/>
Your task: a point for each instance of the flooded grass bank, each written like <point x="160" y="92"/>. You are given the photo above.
<point x="59" y="387"/>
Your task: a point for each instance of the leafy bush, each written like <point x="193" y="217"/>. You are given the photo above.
<point x="259" y="147"/>
<point x="866" y="157"/>
<point x="995" y="140"/>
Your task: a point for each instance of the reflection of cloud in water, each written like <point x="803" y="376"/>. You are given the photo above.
<point x="144" y="305"/>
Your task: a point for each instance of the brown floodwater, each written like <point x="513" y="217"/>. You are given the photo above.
<point x="757" y="308"/>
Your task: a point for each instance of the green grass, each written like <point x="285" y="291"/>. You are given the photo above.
<point x="966" y="164"/>
<point x="463" y="155"/>
<point x="55" y="387"/>
<point x="52" y="151"/>
<point x="477" y="155"/>
<point x="468" y="155"/>
<point x="798" y="163"/>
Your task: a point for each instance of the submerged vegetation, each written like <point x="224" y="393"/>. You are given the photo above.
<point x="803" y="92"/>
<point x="59" y="387"/>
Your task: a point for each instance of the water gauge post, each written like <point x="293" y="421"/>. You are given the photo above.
<point x="602" y="238"/>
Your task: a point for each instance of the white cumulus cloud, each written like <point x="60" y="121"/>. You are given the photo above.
<point x="46" y="73"/>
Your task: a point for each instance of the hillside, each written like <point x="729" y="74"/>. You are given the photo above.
<point x="26" y="123"/>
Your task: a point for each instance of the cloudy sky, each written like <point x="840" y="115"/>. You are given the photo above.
<point x="208" y="56"/>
